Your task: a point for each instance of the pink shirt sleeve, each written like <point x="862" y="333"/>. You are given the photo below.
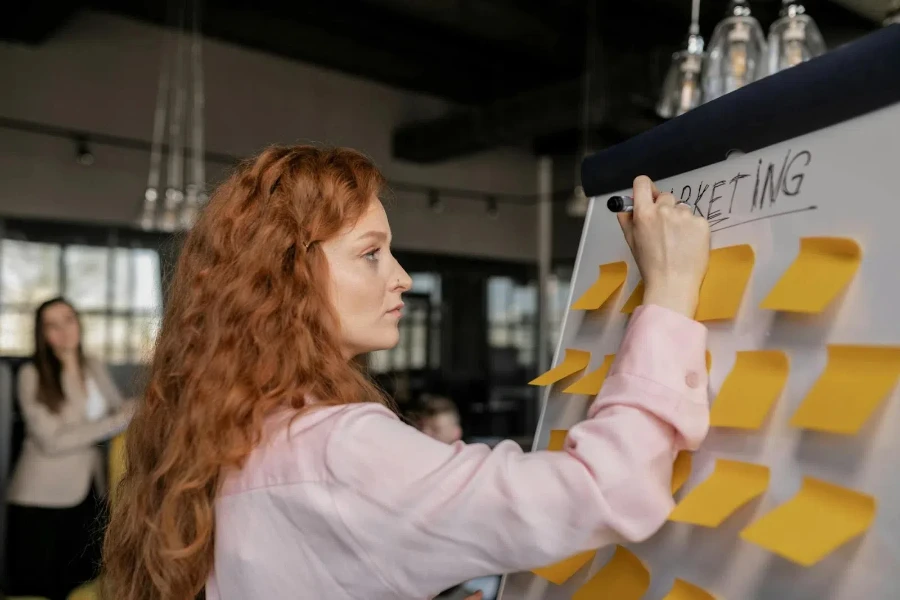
<point x="462" y="511"/>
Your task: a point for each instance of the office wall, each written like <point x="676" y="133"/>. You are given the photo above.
<point x="99" y="74"/>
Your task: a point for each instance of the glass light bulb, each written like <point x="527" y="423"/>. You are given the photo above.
<point x="147" y="219"/>
<point x="189" y="210"/>
<point x="793" y="39"/>
<point x="148" y="212"/>
<point x="681" y="89"/>
<point x="893" y="13"/>
<point x="736" y="53"/>
<point x="174" y="200"/>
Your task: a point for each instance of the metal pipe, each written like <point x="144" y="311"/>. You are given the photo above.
<point x="544" y="257"/>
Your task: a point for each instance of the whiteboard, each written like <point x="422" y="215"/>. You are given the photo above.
<point x="847" y="189"/>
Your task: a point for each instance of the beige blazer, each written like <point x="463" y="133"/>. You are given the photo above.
<point x="60" y="456"/>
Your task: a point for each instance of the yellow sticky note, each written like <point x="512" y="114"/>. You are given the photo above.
<point x="560" y="572"/>
<point x="624" y="577"/>
<point x="557" y="439"/>
<point x="731" y="485"/>
<point x="612" y="276"/>
<point x="574" y="361"/>
<point x="750" y="390"/>
<point x="855" y="381"/>
<point x="683" y="590"/>
<point x="681" y="470"/>
<point x="823" y="268"/>
<point x="812" y="524"/>
<point x="593" y="381"/>
<point x="726" y="279"/>
<point x="635" y="299"/>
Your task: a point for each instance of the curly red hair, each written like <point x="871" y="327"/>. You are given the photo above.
<point x="249" y="330"/>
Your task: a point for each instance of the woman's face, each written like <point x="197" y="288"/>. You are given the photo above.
<point x="61" y="331"/>
<point x="366" y="283"/>
<point x="443" y="427"/>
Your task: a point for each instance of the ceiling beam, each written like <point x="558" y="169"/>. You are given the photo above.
<point x="548" y="117"/>
<point x="35" y="21"/>
<point x="380" y="43"/>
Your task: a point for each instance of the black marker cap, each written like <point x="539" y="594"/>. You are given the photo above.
<point x="616" y="204"/>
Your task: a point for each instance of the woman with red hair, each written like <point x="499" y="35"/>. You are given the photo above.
<point x="262" y="463"/>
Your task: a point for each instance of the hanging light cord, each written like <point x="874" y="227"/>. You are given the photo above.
<point x="589" y="52"/>
<point x="695" y="17"/>
<point x="197" y="145"/>
<point x="174" y="173"/>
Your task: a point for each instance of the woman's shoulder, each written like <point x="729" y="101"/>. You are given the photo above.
<point x="329" y="416"/>
<point x="27" y="371"/>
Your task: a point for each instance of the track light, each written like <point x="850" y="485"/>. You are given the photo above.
<point x="492" y="209"/>
<point x="793" y="38"/>
<point x="681" y="89"/>
<point x="434" y="201"/>
<point x="83" y="154"/>
<point x="737" y="52"/>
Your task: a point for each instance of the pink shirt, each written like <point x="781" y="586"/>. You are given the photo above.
<point x="351" y="503"/>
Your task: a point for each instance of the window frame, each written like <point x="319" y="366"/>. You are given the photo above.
<point x="65" y="235"/>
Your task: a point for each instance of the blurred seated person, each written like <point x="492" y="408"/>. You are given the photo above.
<point x="69" y="404"/>
<point x="438" y="417"/>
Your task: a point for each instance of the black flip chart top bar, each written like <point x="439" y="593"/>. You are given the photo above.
<point x="847" y="82"/>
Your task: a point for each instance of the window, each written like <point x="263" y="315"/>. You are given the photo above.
<point x="419" y="345"/>
<point x="512" y="317"/>
<point x="116" y="290"/>
<point x="557" y="295"/>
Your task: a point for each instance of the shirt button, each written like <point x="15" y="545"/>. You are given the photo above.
<point x="692" y="379"/>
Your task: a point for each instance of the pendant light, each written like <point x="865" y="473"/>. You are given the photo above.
<point x="736" y="54"/>
<point x="793" y="38"/>
<point x="179" y="112"/>
<point x="681" y="88"/>
<point x="893" y="14"/>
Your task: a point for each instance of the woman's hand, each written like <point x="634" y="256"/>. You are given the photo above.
<point x="670" y="245"/>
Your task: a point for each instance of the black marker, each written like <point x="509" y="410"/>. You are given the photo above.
<point x="620" y="204"/>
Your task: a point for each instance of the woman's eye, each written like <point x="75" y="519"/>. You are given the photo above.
<point x="372" y="256"/>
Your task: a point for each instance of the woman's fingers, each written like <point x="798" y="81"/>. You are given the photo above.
<point x="644" y="194"/>
<point x="665" y="199"/>
<point x="627" y="225"/>
<point x="670" y="246"/>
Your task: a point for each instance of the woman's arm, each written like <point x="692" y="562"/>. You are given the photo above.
<point x="107" y="386"/>
<point x="465" y="511"/>
<point x="48" y="430"/>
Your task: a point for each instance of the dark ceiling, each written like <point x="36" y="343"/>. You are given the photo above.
<point x="513" y="66"/>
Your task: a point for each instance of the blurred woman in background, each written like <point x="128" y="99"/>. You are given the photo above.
<point x="262" y="463"/>
<point x="69" y="404"/>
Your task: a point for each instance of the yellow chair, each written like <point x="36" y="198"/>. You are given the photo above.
<point x="87" y="591"/>
<point x="116" y="465"/>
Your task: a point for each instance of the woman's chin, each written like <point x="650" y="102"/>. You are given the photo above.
<point x="383" y="342"/>
<point x="391" y="340"/>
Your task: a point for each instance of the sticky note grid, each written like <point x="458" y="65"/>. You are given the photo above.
<point x="822" y="516"/>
